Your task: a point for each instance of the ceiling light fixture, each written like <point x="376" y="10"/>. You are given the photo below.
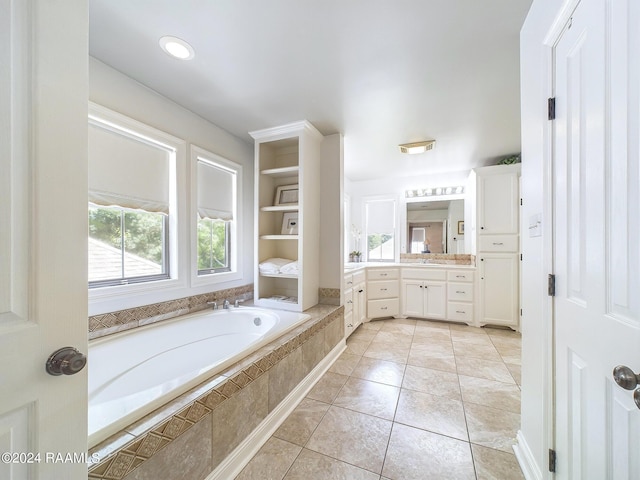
<point x="435" y="192"/>
<point x="177" y="48"/>
<point x="417" y="147"/>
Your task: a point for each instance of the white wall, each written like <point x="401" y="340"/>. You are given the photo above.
<point x="331" y="211"/>
<point x="535" y="437"/>
<point x="111" y="89"/>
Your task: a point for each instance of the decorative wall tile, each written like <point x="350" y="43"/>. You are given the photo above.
<point x="108" y="323"/>
<point x="443" y="258"/>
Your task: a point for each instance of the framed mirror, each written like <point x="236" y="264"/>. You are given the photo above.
<point x="433" y="226"/>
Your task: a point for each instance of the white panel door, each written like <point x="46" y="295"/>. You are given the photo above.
<point x="43" y="232"/>
<point x="435" y="300"/>
<point x="499" y="289"/>
<point x="412" y="298"/>
<point x="498" y="203"/>
<point x="596" y="236"/>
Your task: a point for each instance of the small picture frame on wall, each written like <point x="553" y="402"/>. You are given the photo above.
<point x="286" y="195"/>
<point x="461" y="227"/>
<point x="290" y="223"/>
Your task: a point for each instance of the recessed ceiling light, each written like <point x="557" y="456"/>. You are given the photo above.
<point x="177" y="48"/>
<point x="417" y="147"/>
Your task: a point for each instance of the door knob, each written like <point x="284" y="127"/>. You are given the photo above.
<point x="625" y="377"/>
<point x="65" y="361"/>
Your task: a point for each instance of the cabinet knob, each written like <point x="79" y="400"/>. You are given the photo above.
<point x="481" y="228"/>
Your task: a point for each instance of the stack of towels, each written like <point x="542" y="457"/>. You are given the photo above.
<point x="274" y="266"/>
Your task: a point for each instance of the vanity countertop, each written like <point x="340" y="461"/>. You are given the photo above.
<point x="354" y="267"/>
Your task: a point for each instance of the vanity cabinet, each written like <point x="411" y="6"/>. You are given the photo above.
<point x="460" y="295"/>
<point x="498" y="288"/>
<point x="287" y="212"/>
<point x="354" y="301"/>
<point x="383" y="292"/>
<point x="495" y="231"/>
<point x="424" y="293"/>
<point x="424" y="299"/>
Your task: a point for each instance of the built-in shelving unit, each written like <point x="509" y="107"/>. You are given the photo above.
<point x="288" y="157"/>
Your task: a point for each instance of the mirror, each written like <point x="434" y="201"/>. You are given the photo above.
<point x="435" y="226"/>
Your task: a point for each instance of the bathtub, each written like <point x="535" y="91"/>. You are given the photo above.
<point x="132" y="373"/>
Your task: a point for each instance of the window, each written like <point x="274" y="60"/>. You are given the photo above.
<point x="380" y="221"/>
<point x="213" y="246"/>
<point x="126" y="246"/>
<point x="132" y="190"/>
<point x="216" y="215"/>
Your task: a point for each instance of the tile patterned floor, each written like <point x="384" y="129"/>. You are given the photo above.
<point x="408" y="399"/>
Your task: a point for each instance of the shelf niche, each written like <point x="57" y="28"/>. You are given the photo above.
<point x="287" y="155"/>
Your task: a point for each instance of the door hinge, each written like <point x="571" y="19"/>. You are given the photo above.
<point x="551" y="285"/>
<point x="551" y="108"/>
<point x="552" y="460"/>
<point x="520" y="202"/>
<point x="520" y="257"/>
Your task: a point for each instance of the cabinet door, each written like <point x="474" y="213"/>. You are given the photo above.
<point x="412" y="298"/>
<point x="348" y="324"/>
<point x="360" y="298"/>
<point x="498" y="203"/>
<point x="435" y="303"/>
<point x="499" y="289"/>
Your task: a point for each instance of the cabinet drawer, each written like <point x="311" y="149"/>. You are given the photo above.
<point x="348" y="301"/>
<point x="498" y="243"/>
<point x="383" y="289"/>
<point x="460" y="312"/>
<point x="348" y="280"/>
<point x="460" y="276"/>
<point x="383" y="308"/>
<point x="382" y="274"/>
<point x="348" y="324"/>
<point x="358" y="277"/>
<point x="424" y="273"/>
<point x="460" y="291"/>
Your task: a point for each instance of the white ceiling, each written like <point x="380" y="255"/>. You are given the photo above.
<point x="381" y="72"/>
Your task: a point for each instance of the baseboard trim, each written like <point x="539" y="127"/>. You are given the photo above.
<point x="233" y="464"/>
<point x="530" y="469"/>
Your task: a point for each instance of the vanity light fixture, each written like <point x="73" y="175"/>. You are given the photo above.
<point x="417" y="147"/>
<point x="176" y="47"/>
<point x="436" y="192"/>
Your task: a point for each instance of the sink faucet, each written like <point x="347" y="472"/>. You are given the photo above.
<point x="214" y="305"/>
<point x="225" y="304"/>
<point x="237" y="303"/>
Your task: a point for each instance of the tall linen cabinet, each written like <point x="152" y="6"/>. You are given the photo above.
<point x="287" y="212"/>
<point x="493" y="221"/>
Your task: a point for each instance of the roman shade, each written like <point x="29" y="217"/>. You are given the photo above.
<point x="381" y="216"/>
<point x="127" y="170"/>
<point x="216" y="187"/>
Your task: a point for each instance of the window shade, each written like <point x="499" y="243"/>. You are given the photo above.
<point x="127" y="171"/>
<point x="381" y="216"/>
<point x="216" y="187"/>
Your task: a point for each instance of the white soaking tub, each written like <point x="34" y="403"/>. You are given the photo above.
<point x="134" y="372"/>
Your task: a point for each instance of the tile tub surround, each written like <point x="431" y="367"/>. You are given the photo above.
<point x="329" y="296"/>
<point x="113" y="322"/>
<point x="439" y="258"/>
<point x="423" y="415"/>
<point x="214" y="417"/>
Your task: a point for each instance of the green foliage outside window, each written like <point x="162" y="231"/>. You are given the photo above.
<point x="212" y="244"/>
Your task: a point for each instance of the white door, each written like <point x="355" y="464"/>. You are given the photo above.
<point x="499" y="289"/>
<point x="597" y="242"/>
<point x="412" y="298"/>
<point x="435" y="300"/>
<point x="498" y="203"/>
<point x="43" y="212"/>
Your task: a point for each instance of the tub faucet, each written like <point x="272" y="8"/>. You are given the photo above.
<point x="225" y="304"/>
<point x="214" y="305"/>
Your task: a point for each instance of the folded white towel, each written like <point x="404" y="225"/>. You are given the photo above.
<point x="290" y="268"/>
<point x="273" y="265"/>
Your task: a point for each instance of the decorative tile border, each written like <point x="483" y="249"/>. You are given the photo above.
<point x="127" y="450"/>
<point x="329" y="296"/>
<point x="443" y="258"/>
<point x="108" y="323"/>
